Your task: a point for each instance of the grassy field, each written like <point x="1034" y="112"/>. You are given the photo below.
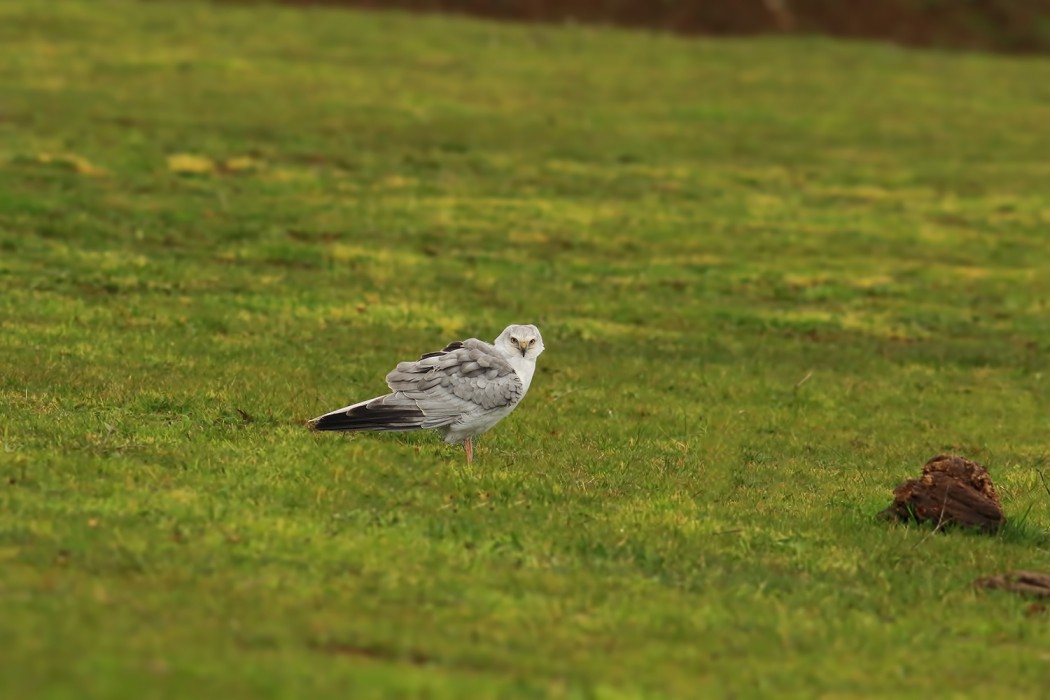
<point x="773" y="276"/>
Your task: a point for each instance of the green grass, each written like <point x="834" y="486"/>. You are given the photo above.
<point x="696" y="226"/>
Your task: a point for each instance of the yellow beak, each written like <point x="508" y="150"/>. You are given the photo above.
<point x="524" y="347"/>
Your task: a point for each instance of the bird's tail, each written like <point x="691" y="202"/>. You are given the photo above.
<point x="388" y="412"/>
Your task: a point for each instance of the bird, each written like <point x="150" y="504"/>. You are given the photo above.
<point x="461" y="391"/>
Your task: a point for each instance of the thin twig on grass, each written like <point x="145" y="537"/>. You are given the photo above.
<point x="804" y="379"/>
<point x="1042" y="477"/>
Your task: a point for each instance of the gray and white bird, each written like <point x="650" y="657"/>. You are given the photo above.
<point x="460" y="391"/>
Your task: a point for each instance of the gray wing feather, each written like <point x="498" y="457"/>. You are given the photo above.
<point x="466" y="377"/>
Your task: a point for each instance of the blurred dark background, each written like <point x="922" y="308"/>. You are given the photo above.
<point x="998" y="25"/>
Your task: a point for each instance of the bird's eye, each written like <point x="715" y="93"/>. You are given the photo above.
<point x="514" y="340"/>
<point x="532" y="342"/>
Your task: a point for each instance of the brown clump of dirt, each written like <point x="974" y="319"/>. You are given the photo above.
<point x="1028" y="583"/>
<point x="952" y="492"/>
<point x="1000" y="25"/>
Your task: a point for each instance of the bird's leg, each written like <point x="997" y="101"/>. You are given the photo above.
<point x="468" y="446"/>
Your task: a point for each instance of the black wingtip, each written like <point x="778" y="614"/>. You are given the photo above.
<point x="332" y="421"/>
<point x="455" y="345"/>
<point x="365" y="417"/>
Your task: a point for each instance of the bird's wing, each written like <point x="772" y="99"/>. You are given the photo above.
<point x="466" y="378"/>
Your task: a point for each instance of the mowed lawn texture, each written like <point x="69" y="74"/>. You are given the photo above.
<point x="773" y="278"/>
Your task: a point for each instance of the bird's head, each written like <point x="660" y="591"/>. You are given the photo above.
<point x="524" y="340"/>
